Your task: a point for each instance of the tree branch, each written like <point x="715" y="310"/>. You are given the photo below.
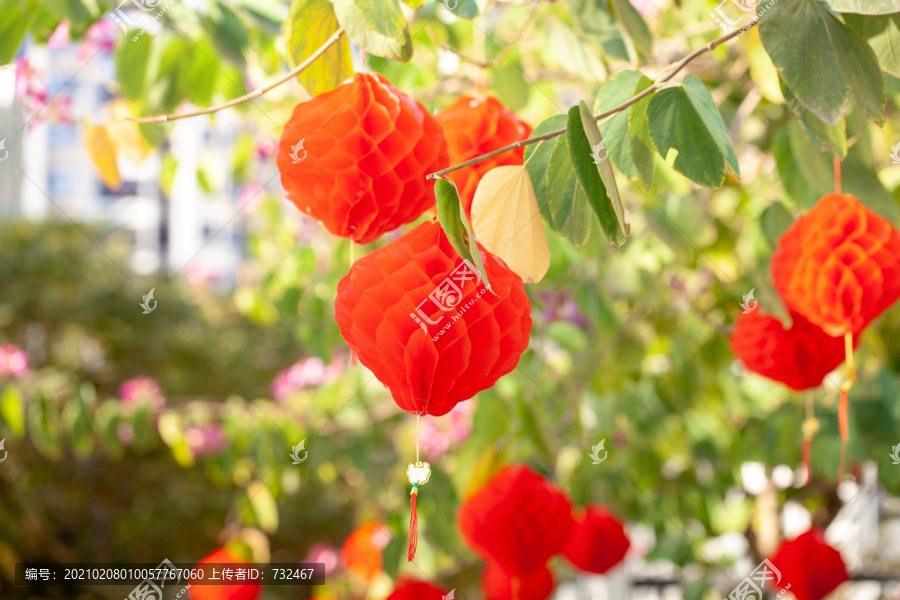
<point x="255" y="94"/>
<point x="663" y="78"/>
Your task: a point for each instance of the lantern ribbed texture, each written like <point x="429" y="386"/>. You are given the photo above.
<point x="839" y="265"/>
<point x="390" y="310"/>
<point x="474" y="127"/>
<point x="811" y="567"/>
<point x="498" y="585"/>
<point x="367" y="148"/>
<point x="799" y="357"/>
<point x="598" y="542"/>
<point x="518" y="520"/>
<point x="413" y="589"/>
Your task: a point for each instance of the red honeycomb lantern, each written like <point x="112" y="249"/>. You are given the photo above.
<point x="413" y="589"/>
<point x="426" y="325"/>
<point x="799" y="357"/>
<point x="839" y="265"/>
<point x="811" y="567"/>
<point x="476" y="126"/>
<point x="497" y="585"/>
<point x="518" y="520"/>
<point x="598" y="542"/>
<point x="198" y="591"/>
<point x="355" y="158"/>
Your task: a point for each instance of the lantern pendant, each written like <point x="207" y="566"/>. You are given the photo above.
<point x="418" y="474"/>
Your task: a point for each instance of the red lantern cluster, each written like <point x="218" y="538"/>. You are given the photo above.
<point x="426" y="325"/>
<point x="519" y="520"/>
<point x="356" y="157"/>
<point x="476" y="126"/>
<point x="810" y="568"/>
<point x="836" y="268"/>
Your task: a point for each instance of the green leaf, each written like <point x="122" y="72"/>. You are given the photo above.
<point x="882" y="33"/>
<point x="686" y="118"/>
<point x="309" y="25"/>
<point x="265" y="509"/>
<point x="132" y="59"/>
<point x="825" y="65"/>
<point x="566" y="210"/>
<point x="455" y="223"/>
<point x="572" y="54"/>
<point x="774" y="221"/>
<point x="414" y="3"/>
<point x="791" y="177"/>
<point x="76" y="419"/>
<point x="579" y="132"/>
<point x="532" y="428"/>
<point x="634" y="26"/>
<point x="12" y="410"/>
<point x="866" y="7"/>
<point x="594" y="21"/>
<point x="377" y="26"/>
<point x="17" y="17"/>
<point x="832" y="138"/>
<point x="642" y="150"/>
<point x="227" y="33"/>
<point x="465" y="9"/>
<point x="625" y="150"/>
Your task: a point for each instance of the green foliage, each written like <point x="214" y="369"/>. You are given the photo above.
<point x="378" y="26"/>
<point x="309" y="25"/>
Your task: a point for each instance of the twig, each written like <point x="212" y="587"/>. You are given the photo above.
<point x="255" y="94"/>
<point x="663" y="78"/>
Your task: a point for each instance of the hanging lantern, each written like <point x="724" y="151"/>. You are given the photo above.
<point x="598" y="543"/>
<point x="425" y="324"/>
<point x="498" y="585"/>
<point x="429" y="328"/>
<point x="809" y="567"/>
<point x="838" y="265"/>
<point x="362" y="549"/>
<point x="476" y="126"/>
<point x="355" y="158"/>
<point x="414" y="589"/>
<point x="799" y="357"/>
<point x="518" y="520"/>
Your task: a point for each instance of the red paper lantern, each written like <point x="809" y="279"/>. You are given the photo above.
<point x="811" y="567"/>
<point x="413" y="589"/>
<point x="839" y="265"/>
<point x="476" y="126"/>
<point x="361" y="551"/>
<point x="355" y="158"/>
<point x="422" y="321"/>
<point x="518" y="520"/>
<point x="497" y="585"/>
<point x="248" y="591"/>
<point x="598" y="542"/>
<point x="799" y="357"/>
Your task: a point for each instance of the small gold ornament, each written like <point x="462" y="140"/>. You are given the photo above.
<point x="418" y="473"/>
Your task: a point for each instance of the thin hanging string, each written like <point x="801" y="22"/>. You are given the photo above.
<point x="843" y="416"/>
<point x="418" y="417"/>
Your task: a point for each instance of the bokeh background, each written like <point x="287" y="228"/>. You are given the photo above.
<point x="136" y="437"/>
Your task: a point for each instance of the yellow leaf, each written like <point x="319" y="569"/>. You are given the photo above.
<point x="762" y="71"/>
<point x="507" y="221"/>
<point x="126" y="135"/>
<point x="103" y="152"/>
<point x="309" y="25"/>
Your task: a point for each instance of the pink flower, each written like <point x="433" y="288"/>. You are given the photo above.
<point x="13" y="361"/>
<point x="205" y="440"/>
<point x="437" y="435"/>
<point x="647" y="8"/>
<point x="99" y="38"/>
<point x="266" y="149"/>
<point x="60" y="37"/>
<point x="320" y="552"/>
<point x="305" y="373"/>
<point x="142" y="389"/>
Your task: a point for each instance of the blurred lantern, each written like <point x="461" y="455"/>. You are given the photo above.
<point x="413" y="589"/>
<point x="518" y="520"/>
<point x="810" y="569"/>
<point x="361" y="551"/>
<point x="230" y="591"/>
<point x="598" y="543"/>
<point x="476" y="126"/>
<point x="839" y="265"/>
<point x="799" y="357"/>
<point x="430" y="330"/>
<point x="355" y="158"/>
<point x="498" y="585"/>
